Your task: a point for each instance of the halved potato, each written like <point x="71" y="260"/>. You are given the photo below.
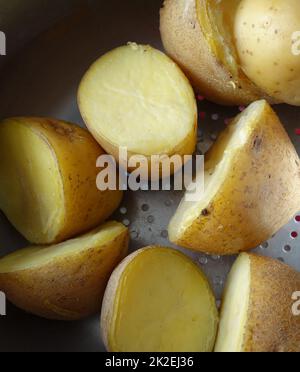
<point x="48" y="179"/>
<point x="257" y="308"/>
<point x="158" y="300"/>
<point x="252" y="187"/>
<point x="65" y="281"/>
<point x="137" y="98"/>
<point x="264" y="32"/>
<point x="199" y="36"/>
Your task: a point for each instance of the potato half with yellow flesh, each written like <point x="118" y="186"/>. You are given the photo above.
<point x="66" y="281"/>
<point x="199" y="36"/>
<point x="48" y="179"/>
<point x="137" y="98"/>
<point x="252" y="187"/>
<point x="158" y="300"/>
<point x="257" y="312"/>
<point x="267" y="34"/>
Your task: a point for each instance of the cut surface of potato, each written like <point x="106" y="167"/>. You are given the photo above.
<point x="65" y="281"/>
<point x="158" y="300"/>
<point x="216" y="20"/>
<point x="235" y="307"/>
<point x="257" y="308"/>
<point x="252" y="187"/>
<point x="48" y="179"/>
<point x="138" y="98"/>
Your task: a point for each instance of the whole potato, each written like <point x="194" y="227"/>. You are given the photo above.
<point x="266" y="34"/>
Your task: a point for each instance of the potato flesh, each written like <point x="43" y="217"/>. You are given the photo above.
<point x="30" y="182"/>
<point x="263" y="32"/>
<point x="217" y="22"/>
<point x="234" y="313"/>
<point x="136" y="97"/>
<point x="217" y="165"/>
<point x="163" y="303"/>
<point x="34" y="257"/>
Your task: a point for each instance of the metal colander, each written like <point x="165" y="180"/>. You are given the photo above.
<point x="42" y="81"/>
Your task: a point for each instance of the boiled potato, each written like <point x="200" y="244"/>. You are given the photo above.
<point x="257" y="311"/>
<point x="264" y="32"/>
<point x="252" y="187"/>
<point x="235" y="51"/>
<point x="198" y="35"/>
<point x="64" y="281"/>
<point x="135" y="97"/>
<point x="48" y="179"/>
<point x="158" y="300"/>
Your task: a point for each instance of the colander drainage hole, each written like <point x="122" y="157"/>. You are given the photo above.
<point x="145" y="207"/>
<point x="123" y="210"/>
<point x="126" y="222"/>
<point x="287" y="249"/>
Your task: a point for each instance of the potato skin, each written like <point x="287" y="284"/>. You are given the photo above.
<point x="76" y="152"/>
<point x="263" y="31"/>
<point x="69" y="288"/>
<point x="271" y="325"/>
<point x="110" y="294"/>
<point x="260" y="195"/>
<point x="185" y="42"/>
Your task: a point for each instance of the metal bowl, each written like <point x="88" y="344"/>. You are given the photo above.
<point x="50" y="45"/>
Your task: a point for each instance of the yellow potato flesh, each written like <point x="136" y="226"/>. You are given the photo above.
<point x="163" y="304"/>
<point x="217" y="167"/>
<point x="235" y="306"/>
<point x="136" y="97"/>
<point x="35" y="257"/>
<point x="264" y="38"/>
<point x="216" y="19"/>
<point x="30" y="182"/>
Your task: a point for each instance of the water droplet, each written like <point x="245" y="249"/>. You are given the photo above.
<point x="215" y="117"/>
<point x="215" y="257"/>
<point x="145" y="207"/>
<point x="150" y="219"/>
<point x="168" y="203"/>
<point x="265" y="245"/>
